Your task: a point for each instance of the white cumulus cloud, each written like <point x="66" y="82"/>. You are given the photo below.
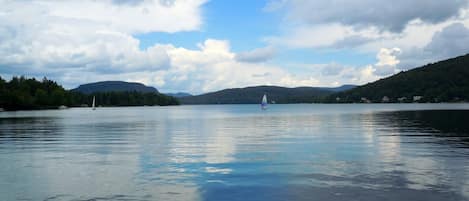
<point x="386" y="15"/>
<point x="387" y="61"/>
<point x="63" y="39"/>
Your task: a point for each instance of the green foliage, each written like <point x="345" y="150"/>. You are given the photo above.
<point x="253" y="95"/>
<point x="23" y="93"/>
<point x="124" y="98"/>
<point x="445" y="81"/>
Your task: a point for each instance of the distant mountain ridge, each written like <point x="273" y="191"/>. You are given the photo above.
<point x="444" y="81"/>
<point x="253" y="95"/>
<point x="339" y="89"/>
<point x="178" y="94"/>
<point x="114" y="86"/>
<point x="21" y="93"/>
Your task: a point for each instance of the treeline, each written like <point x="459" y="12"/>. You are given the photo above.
<point x="445" y="81"/>
<point x="253" y="95"/>
<point x="125" y="98"/>
<point x="29" y="93"/>
<point x="23" y="93"/>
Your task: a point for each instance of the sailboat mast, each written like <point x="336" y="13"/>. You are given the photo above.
<point x="264" y="102"/>
<point x="93" y="104"/>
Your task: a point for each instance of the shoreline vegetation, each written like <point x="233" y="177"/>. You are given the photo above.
<point x="21" y="93"/>
<point x="442" y="82"/>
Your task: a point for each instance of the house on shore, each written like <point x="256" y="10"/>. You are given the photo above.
<point x="402" y="99"/>
<point x="365" y="100"/>
<point x="385" y="99"/>
<point x="417" y="98"/>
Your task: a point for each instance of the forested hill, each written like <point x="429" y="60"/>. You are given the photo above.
<point x="22" y="93"/>
<point x="444" y="81"/>
<point x="114" y="86"/>
<point x="178" y="94"/>
<point x="253" y="95"/>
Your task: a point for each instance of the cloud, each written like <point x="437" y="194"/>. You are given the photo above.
<point x="364" y="25"/>
<point x="274" y="5"/>
<point x="332" y="69"/>
<point x="127" y="2"/>
<point x="310" y="36"/>
<point x="335" y="74"/>
<point x="104" y="51"/>
<point x="452" y="41"/>
<point x="126" y="16"/>
<point x="325" y="36"/>
<point x="256" y="55"/>
<point x="57" y="38"/>
<point x="387" y="61"/>
<point x="214" y="66"/>
<point x="424" y="30"/>
<point x="386" y="15"/>
<point x="446" y="43"/>
<point x="387" y="57"/>
<point x="54" y="39"/>
<point x="266" y="74"/>
<point x="357" y="75"/>
<point x="351" y="41"/>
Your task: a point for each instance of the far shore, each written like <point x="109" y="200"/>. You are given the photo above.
<point x="74" y="107"/>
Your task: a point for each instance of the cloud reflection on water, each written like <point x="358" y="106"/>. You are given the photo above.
<point x="295" y="152"/>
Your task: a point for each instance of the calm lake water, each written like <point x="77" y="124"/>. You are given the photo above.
<point x="237" y="152"/>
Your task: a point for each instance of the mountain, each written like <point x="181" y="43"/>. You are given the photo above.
<point x="444" y="81"/>
<point x="114" y="86"/>
<point x="21" y="93"/>
<point x="253" y="95"/>
<point x="178" y="94"/>
<point x="340" y="89"/>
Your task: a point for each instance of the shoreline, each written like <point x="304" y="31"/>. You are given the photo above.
<point x="58" y="108"/>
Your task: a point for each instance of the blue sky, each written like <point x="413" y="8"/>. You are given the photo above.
<point x="245" y="24"/>
<point x="200" y="46"/>
<point x="242" y="22"/>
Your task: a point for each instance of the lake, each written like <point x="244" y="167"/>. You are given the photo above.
<point x="237" y="152"/>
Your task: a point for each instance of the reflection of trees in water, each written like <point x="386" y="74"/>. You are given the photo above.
<point x="430" y="148"/>
<point x="448" y="125"/>
<point x="29" y="129"/>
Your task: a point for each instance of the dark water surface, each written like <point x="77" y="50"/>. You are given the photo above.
<point x="237" y="152"/>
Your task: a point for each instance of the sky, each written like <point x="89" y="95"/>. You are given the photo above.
<point x="200" y="46"/>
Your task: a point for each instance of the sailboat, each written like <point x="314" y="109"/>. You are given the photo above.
<point x="264" y="102"/>
<point x="93" y="107"/>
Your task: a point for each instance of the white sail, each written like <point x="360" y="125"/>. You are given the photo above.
<point x="264" y="102"/>
<point x="93" y="104"/>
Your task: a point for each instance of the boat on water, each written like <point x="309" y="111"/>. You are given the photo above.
<point x="264" y="102"/>
<point x="62" y="107"/>
<point x="93" y="105"/>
